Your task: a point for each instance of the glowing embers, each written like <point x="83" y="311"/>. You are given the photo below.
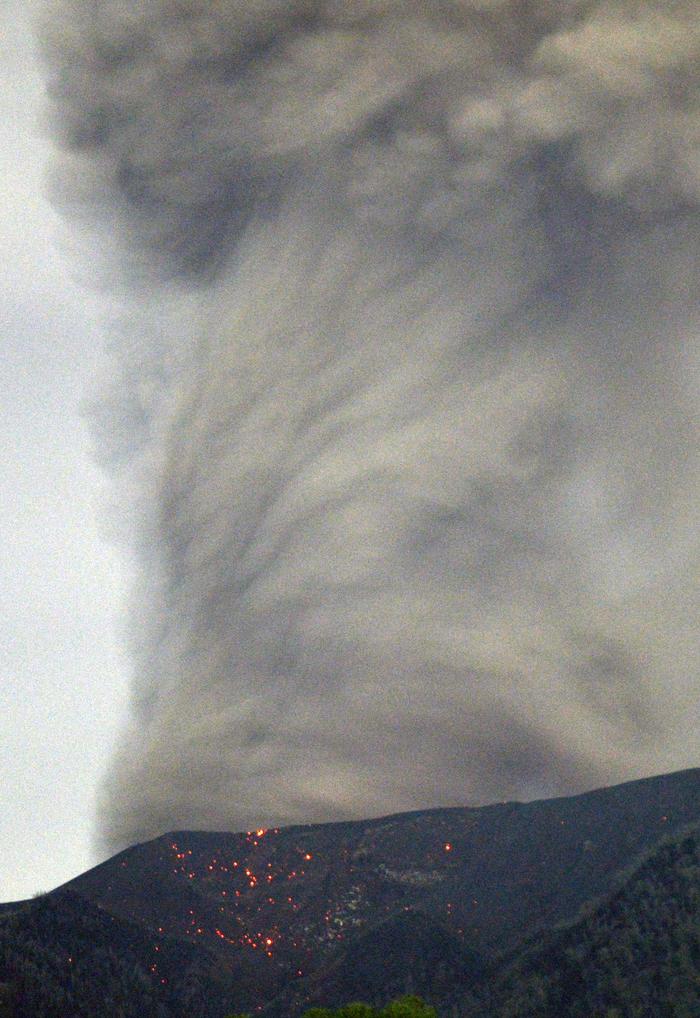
<point x="241" y="900"/>
<point x="254" y="838"/>
<point x="182" y="862"/>
<point x="258" y="940"/>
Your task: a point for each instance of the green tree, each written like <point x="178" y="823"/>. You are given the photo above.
<point x="356" y="1010"/>
<point x="404" y="1007"/>
<point x="409" y="1006"/>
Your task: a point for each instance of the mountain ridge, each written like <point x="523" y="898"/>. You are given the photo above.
<point x="273" y="920"/>
<point x="618" y="787"/>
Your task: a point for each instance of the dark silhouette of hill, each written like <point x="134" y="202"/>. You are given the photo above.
<point x="635" y="954"/>
<point x="62" y="957"/>
<point x="419" y="902"/>
<point x="407" y="953"/>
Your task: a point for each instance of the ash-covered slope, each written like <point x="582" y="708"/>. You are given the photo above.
<point x="417" y="902"/>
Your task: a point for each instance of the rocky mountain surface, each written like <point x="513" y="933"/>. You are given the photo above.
<point x="421" y="902"/>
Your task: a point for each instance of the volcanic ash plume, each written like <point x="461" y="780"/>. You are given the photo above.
<point x="407" y="405"/>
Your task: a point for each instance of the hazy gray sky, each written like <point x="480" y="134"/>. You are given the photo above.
<point x="62" y="679"/>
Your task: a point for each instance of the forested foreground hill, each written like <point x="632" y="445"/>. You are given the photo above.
<point x="635" y="955"/>
<point x="61" y="957"/>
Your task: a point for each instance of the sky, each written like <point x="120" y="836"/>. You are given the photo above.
<point x="397" y="416"/>
<point x="63" y="672"/>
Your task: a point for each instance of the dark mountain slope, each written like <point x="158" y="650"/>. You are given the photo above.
<point x="636" y="955"/>
<point x="416" y="902"/>
<point x="410" y="953"/>
<point x="494" y="872"/>
<point x="61" y="957"/>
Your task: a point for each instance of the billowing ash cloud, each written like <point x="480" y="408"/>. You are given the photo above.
<point x="407" y="402"/>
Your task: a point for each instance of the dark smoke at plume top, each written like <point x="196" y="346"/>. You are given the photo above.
<point x="407" y="405"/>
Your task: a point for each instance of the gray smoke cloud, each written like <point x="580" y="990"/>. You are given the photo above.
<point x="404" y="394"/>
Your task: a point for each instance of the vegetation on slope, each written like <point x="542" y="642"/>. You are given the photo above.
<point x="636" y="955"/>
<point x="407" y="1006"/>
<point x="63" y="958"/>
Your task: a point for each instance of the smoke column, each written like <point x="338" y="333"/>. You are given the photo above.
<point x="404" y="396"/>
